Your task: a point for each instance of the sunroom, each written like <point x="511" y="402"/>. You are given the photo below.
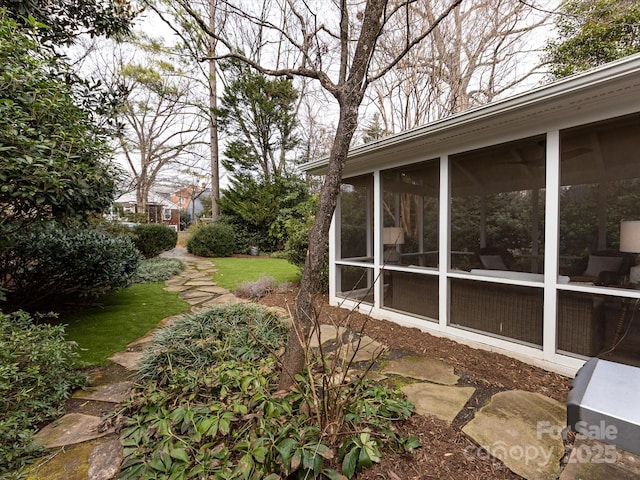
<point x="514" y="226"/>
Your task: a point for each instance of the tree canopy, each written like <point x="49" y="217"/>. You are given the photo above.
<point x="258" y="114"/>
<point x="52" y="151"/>
<point x="592" y="33"/>
<point x="68" y="19"/>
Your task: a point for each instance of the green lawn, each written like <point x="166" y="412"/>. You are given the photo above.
<point x="232" y="271"/>
<point x="120" y="318"/>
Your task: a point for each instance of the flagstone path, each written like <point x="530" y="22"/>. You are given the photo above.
<point x="520" y="428"/>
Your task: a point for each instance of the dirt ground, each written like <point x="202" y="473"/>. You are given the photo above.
<point x="446" y="453"/>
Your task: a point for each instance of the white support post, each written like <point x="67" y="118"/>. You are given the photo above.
<point x="334" y="251"/>
<point x="377" y="239"/>
<point x="444" y="242"/>
<point x="551" y="236"/>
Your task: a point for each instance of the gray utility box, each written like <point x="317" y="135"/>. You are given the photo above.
<point x="604" y="404"/>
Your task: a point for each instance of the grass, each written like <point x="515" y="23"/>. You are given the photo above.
<point x="120" y="318"/>
<point x="232" y="271"/>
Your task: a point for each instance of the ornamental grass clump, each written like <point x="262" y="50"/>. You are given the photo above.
<point x="206" y="406"/>
<point x="157" y="269"/>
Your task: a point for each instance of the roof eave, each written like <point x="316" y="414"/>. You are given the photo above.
<point x="560" y="89"/>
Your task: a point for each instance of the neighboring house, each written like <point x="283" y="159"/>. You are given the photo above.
<point x="500" y="227"/>
<point x="189" y="199"/>
<point x="160" y="208"/>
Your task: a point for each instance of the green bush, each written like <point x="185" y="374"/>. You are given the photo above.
<point x="158" y="269"/>
<point x="56" y="263"/>
<point x="212" y="240"/>
<point x="206" y="407"/>
<point x="297" y="244"/>
<point x="35" y="379"/>
<point x="152" y="239"/>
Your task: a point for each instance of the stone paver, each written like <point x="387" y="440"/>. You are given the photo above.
<point x="68" y="463"/>
<point x="113" y="392"/>
<point x="523" y="430"/>
<point x="327" y="333"/>
<point x="105" y="460"/>
<point x="200" y="283"/>
<point x="198" y="299"/>
<point x="364" y="350"/>
<point x="594" y="460"/>
<point x="129" y="360"/>
<point x="144" y="340"/>
<point x="71" y="429"/>
<point x="422" y="368"/>
<point x="228" y="299"/>
<point x="441" y="401"/>
<point x="215" y="289"/>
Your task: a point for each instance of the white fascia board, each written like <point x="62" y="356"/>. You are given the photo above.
<point x="541" y="104"/>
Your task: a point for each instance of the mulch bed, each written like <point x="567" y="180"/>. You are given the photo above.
<point x="446" y="452"/>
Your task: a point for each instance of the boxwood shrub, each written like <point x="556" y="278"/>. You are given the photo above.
<point x="152" y="238"/>
<point x="212" y="240"/>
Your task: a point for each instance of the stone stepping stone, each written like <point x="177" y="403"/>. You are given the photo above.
<point x="228" y="299"/>
<point x="68" y="463"/>
<point x="71" y="429"/>
<point x="129" y="360"/>
<point x="113" y="392"/>
<point x="197" y="293"/>
<point x="144" y="341"/>
<point x="422" y="368"/>
<point x="523" y="430"/>
<point x="105" y="460"/>
<point x="200" y="283"/>
<point x="594" y="460"/>
<point x="366" y="350"/>
<point x="441" y="401"/>
<point x="215" y="289"/>
<point x="176" y="281"/>
<point x="199" y="275"/>
<point x="198" y="299"/>
<point x="328" y="333"/>
<point x="167" y="322"/>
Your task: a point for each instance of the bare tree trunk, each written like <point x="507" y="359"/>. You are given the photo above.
<point x="294" y="356"/>
<point x="213" y="128"/>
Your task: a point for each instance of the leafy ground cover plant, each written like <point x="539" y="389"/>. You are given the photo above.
<point x="36" y="376"/>
<point x="157" y="269"/>
<point x="205" y="407"/>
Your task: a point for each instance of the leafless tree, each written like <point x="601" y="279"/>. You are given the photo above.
<point x="480" y="52"/>
<point x="338" y="45"/>
<point x="195" y="45"/>
<point x="158" y="126"/>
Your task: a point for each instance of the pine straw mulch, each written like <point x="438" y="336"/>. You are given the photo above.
<point x="446" y="452"/>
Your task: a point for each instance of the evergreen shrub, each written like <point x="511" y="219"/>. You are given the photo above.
<point x="58" y="263"/>
<point x="36" y="377"/>
<point x="212" y="240"/>
<point x="152" y="239"/>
